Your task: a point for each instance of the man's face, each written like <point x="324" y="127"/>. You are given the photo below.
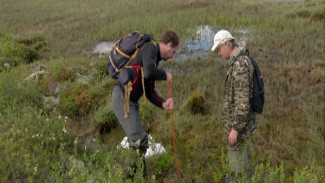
<point x="224" y="51"/>
<point x="169" y="52"/>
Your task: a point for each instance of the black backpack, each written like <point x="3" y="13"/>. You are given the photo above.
<point x="257" y="100"/>
<point x="124" y="51"/>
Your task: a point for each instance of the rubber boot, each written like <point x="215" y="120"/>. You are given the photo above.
<point x="130" y="167"/>
<point x="233" y="177"/>
<point x="145" y="173"/>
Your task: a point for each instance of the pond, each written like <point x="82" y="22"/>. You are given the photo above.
<point x="197" y="46"/>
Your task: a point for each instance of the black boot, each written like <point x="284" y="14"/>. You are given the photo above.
<point x="129" y="168"/>
<point x="145" y="173"/>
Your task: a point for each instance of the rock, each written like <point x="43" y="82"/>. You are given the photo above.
<point x="77" y="165"/>
<point x="56" y="89"/>
<point x="39" y="67"/>
<point x="36" y="76"/>
<point x="82" y="78"/>
<point x="7" y="66"/>
<point x="50" y="103"/>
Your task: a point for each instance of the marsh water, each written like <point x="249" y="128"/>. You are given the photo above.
<point x="197" y="46"/>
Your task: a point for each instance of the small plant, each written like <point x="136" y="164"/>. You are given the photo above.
<point x="105" y="120"/>
<point x="63" y="73"/>
<point x="159" y="166"/>
<point x="74" y="101"/>
<point x="197" y="104"/>
<point x="17" y="52"/>
<point x="223" y="171"/>
<point x="39" y="45"/>
<point x="266" y="173"/>
<point x="147" y="115"/>
<point x="305" y="176"/>
<point x="101" y="67"/>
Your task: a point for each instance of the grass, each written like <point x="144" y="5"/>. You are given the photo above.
<point x="38" y="146"/>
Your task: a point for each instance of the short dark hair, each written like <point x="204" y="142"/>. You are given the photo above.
<point x="170" y="36"/>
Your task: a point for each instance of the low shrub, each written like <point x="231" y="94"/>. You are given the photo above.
<point x="74" y="100"/>
<point x="147" y="115"/>
<point x="17" y="52"/>
<point x="105" y="120"/>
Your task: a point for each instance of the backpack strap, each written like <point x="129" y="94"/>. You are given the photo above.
<point x="120" y="51"/>
<point x="114" y="66"/>
<point x="127" y="92"/>
<point x="128" y="86"/>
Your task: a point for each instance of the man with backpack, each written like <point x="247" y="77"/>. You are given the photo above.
<point x="137" y="77"/>
<point x="239" y="109"/>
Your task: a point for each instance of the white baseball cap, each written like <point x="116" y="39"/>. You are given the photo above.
<point x="220" y="38"/>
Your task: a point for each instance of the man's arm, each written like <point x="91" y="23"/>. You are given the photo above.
<point x="151" y="94"/>
<point x="154" y="98"/>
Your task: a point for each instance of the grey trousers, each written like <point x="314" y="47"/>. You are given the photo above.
<point x="239" y="160"/>
<point x="137" y="136"/>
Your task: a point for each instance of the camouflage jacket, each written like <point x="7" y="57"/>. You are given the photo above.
<point x="237" y="111"/>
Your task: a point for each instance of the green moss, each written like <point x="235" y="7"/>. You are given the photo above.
<point x="74" y="101"/>
<point x="59" y="72"/>
<point x="39" y="45"/>
<point x="197" y="104"/>
<point x="105" y="120"/>
<point x="25" y="53"/>
<point x="160" y="165"/>
<point x="79" y="99"/>
<point x="19" y="53"/>
<point x="63" y="73"/>
<point x="96" y="95"/>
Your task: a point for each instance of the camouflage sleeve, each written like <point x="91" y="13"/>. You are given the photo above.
<point x="241" y="75"/>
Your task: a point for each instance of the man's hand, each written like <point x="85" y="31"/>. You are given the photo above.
<point x="168" y="104"/>
<point x="232" y="139"/>
<point x="169" y="76"/>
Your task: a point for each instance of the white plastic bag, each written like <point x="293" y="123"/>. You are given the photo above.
<point x="154" y="148"/>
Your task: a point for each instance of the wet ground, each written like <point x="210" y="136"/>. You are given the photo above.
<point x="197" y="46"/>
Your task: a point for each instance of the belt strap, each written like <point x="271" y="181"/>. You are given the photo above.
<point x="128" y="89"/>
<point x="127" y="92"/>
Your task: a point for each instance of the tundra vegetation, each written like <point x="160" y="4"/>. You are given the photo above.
<point x="56" y="122"/>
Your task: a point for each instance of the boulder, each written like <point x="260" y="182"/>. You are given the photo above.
<point x="50" y="103"/>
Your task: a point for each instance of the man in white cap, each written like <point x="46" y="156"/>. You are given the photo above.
<point x="239" y="118"/>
